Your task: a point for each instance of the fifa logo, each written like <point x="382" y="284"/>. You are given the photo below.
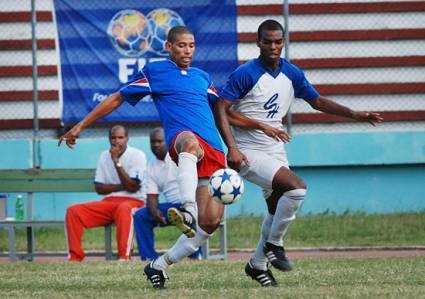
<point x="133" y="35"/>
<point x="271" y="106"/>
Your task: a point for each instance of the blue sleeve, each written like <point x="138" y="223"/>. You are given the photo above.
<point x="137" y="88"/>
<point x="303" y="89"/>
<point x="238" y="85"/>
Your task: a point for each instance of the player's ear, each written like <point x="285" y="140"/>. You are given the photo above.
<point x="168" y="46"/>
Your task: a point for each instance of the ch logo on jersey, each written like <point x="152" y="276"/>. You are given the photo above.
<point x="271" y="106"/>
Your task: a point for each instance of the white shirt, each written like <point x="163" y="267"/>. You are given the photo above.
<point x="133" y="162"/>
<point x="161" y="176"/>
<point x="265" y="96"/>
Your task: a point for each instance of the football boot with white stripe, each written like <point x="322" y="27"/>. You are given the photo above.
<point x="263" y="277"/>
<point x="277" y="257"/>
<point x="156" y="277"/>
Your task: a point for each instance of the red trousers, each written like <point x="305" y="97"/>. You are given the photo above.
<point x="100" y="213"/>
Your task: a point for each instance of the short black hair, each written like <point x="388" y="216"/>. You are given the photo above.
<point x="171" y="37"/>
<point x="155" y="131"/>
<point x="270" y="25"/>
<point x="117" y="127"/>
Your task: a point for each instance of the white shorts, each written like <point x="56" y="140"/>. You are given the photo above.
<point x="263" y="166"/>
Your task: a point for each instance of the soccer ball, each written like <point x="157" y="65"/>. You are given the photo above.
<point x="225" y="186"/>
<point x="161" y="20"/>
<point x="130" y="32"/>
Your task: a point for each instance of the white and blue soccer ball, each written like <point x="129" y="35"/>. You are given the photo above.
<point x="161" y="20"/>
<point x="226" y="186"/>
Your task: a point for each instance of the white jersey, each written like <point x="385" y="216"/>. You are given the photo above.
<point x="133" y="162"/>
<point x="265" y="96"/>
<point x="161" y="177"/>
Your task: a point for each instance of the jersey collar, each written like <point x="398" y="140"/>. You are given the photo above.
<point x="269" y="71"/>
<point x="180" y="68"/>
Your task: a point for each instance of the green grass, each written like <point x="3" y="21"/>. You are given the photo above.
<point x="326" y="278"/>
<point x="307" y="231"/>
<point x="312" y="278"/>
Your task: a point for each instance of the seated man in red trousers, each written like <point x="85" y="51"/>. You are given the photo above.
<point x="119" y="176"/>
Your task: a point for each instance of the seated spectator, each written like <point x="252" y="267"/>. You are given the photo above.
<point x="119" y="173"/>
<point x="161" y="176"/>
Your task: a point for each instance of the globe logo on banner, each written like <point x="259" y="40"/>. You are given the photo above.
<point x="161" y="21"/>
<point x="133" y="34"/>
<point x="130" y="32"/>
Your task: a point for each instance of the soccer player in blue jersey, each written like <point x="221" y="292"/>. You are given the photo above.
<point x="183" y="96"/>
<point x="256" y="97"/>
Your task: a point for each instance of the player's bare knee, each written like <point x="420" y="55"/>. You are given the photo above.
<point x="190" y="146"/>
<point x="209" y="226"/>
<point x="187" y="142"/>
<point x="298" y="183"/>
<point x="286" y="180"/>
<point x="182" y="139"/>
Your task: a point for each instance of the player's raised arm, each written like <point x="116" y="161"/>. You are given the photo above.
<point x="328" y="106"/>
<point x="107" y="106"/>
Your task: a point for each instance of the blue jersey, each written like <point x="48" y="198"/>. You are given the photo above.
<point x="183" y="98"/>
<point x="264" y="95"/>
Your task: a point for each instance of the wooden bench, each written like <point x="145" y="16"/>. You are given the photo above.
<point x="62" y="180"/>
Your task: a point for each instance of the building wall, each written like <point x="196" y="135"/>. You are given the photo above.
<point x="346" y="172"/>
<point x="364" y="54"/>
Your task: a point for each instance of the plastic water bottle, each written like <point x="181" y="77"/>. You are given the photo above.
<point x="3" y="206"/>
<point x="19" y="208"/>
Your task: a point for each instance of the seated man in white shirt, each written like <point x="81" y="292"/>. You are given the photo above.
<point x="161" y="176"/>
<point x="119" y="175"/>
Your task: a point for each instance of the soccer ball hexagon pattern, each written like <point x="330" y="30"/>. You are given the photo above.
<point x="226" y="186"/>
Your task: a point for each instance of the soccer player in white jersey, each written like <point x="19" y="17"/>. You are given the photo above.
<point x="183" y="96"/>
<point x="256" y="97"/>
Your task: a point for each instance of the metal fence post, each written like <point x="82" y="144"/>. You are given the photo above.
<point x="287" y="42"/>
<point x="35" y="142"/>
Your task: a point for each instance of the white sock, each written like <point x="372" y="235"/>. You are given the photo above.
<point x="259" y="260"/>
<point x="187" y="179"/>
<point x="162" y="262"/>
<point x="286" y="210"/>
<point x="182" y="248"/>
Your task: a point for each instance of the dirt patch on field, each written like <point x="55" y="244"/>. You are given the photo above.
<point x="338" y="253"/>
<point x="293" y="254"/>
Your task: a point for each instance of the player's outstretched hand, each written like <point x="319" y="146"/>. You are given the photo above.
<point x="70" y="137"/>
<point x="276" y="133"/>
<point x="370" y="117"/>
<point x="235" y="158"/>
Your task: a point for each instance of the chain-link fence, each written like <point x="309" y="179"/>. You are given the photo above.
<point x="368" y="56"/>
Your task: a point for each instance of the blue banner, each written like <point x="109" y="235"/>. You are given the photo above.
<point x="103" y="43"/>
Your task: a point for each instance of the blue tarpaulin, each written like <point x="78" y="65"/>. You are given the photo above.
<point x="103" y="43"/>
